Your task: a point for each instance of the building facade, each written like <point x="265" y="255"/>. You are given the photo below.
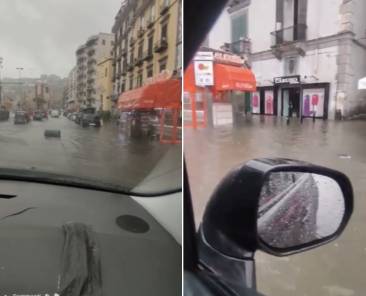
<point x="307" y="55"/>
<point x="146" y="42"/>
<point x="104" y="84"/>
<point x="71" y="89"/>
<point x="88" y="55"/>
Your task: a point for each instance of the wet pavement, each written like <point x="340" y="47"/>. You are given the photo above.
<point x="101" y="154"/>
<point x="335" y="269"/>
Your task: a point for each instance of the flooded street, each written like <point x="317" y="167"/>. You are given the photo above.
<point x="102" y="154"/>
<point x="336" y="269"/>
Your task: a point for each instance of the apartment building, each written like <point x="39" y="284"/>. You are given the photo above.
<point x="71" y="89"/>
<point x="307" y="55"/>
<point x="104" y="83"/>
<point x="97" y="48"/>
<point x="147" y="42"/>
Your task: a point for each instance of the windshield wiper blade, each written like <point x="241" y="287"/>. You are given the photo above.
<point x="64" y="180"/>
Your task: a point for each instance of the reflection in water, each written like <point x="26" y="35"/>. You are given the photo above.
<point x="297" y="208"/>
<point x="209" y="157"/>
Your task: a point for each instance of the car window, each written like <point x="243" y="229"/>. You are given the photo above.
<point x="94" y="59"/>
<point x="268" y="81"/>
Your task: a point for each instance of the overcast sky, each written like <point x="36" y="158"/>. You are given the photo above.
<point x="42" y="35"/>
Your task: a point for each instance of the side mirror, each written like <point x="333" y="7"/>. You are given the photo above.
<point x="280" y="206"/>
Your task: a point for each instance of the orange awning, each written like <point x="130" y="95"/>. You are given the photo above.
<point x="226" y="77"/>
<point x="160" y="94"/>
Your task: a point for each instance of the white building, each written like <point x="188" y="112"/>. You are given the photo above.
<point x="97" y="48"/>
<point x="308" y="54"/>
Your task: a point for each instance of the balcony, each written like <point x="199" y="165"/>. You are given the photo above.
<point x="130" y="66"/>
<point x="132" y="41"/>
<point x="164" y="8"/>
<point x="149" y="22"/>
<point x="92" y="62"/>
<point x="140" y="32"/>
<point x="139" y="60"/>
<point x="91" y="52"/>
<point x="161" y="45"/>
<point x="289" y="39"/>
<point x="91" y="80"/>
<point x="240" y="47"/>
<point x="123" y="51"/>
<point x="148" y="55"/>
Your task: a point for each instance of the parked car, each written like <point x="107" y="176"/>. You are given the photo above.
<point x="4" y="114"/>
<point x="21" y="117"/>
<point x="38" y="116"/>
<point x="45" y="114"/>
<point x="89" y="116"/>
<point x="55" y="113"/>
<point x="77" y="117"/>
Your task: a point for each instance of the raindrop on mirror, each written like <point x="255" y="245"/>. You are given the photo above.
<point x="297" y="208"/>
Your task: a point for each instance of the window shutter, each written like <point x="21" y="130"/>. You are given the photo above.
<point x="279" y="12"/>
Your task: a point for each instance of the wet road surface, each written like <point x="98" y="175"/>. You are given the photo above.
<point x="336" y="269"/>
<point x="101" y="154"/>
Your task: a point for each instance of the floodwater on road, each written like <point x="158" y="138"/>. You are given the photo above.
<point x="335" y="269"/>
<point x="100" y="154"/>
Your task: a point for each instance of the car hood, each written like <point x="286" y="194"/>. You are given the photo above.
<point x="32" y="235"/>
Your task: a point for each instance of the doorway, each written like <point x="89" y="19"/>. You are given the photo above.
<point x="291" y="102"/>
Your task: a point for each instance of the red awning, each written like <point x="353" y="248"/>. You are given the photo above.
<point x="226" y="77"/>
<point x="161" y="94"/>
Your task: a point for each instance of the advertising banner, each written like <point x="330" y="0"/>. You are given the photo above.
<point x="313" y="102"/>
<point x="203" y="72"/>
<point x="268" y="102"/>
<point x="256" y="103"/>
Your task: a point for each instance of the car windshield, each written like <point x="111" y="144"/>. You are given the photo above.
<point x="73" y="70"/>
<point x="286" y="79"/>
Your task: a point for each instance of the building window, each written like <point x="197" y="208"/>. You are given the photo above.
<point x="291" y="65"/>
<point x="112" y="42"/>
<point x="106" y="72"/>
<point x="141" y="45"/>
<point x="164" y="31"/>
<point x="123" y="87"/>
<point x="162" y="64"/>
<point x="150" y="45"/>
<point x="103" y="42"/>
<point x="131" y="57"/>
<point x="239" y="26"/>
<point x="150" y="71"/>
<point x="139" y="80"/>
<point x="131" y="82"/>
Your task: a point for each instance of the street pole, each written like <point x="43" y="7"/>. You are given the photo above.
<point x="20" y="69"/>
<point x="1" y="89"/>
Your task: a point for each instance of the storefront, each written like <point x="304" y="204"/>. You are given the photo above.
<point x="216" y="88"/>
<point x="153" y="109"/>
<point x="290" y="97"/>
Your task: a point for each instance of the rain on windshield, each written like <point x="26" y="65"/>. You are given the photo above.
<point x="81" y="91"/>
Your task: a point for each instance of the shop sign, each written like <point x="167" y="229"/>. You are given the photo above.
<point x="204" y="56"/>
<point x="225" y="58"/>
<point x="287" y="80"/>
<point x="203" y="73"/>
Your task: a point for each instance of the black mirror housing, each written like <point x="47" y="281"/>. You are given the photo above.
<point x="230" y="220"/>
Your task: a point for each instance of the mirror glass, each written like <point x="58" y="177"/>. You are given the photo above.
<point x="297" y="208"/>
